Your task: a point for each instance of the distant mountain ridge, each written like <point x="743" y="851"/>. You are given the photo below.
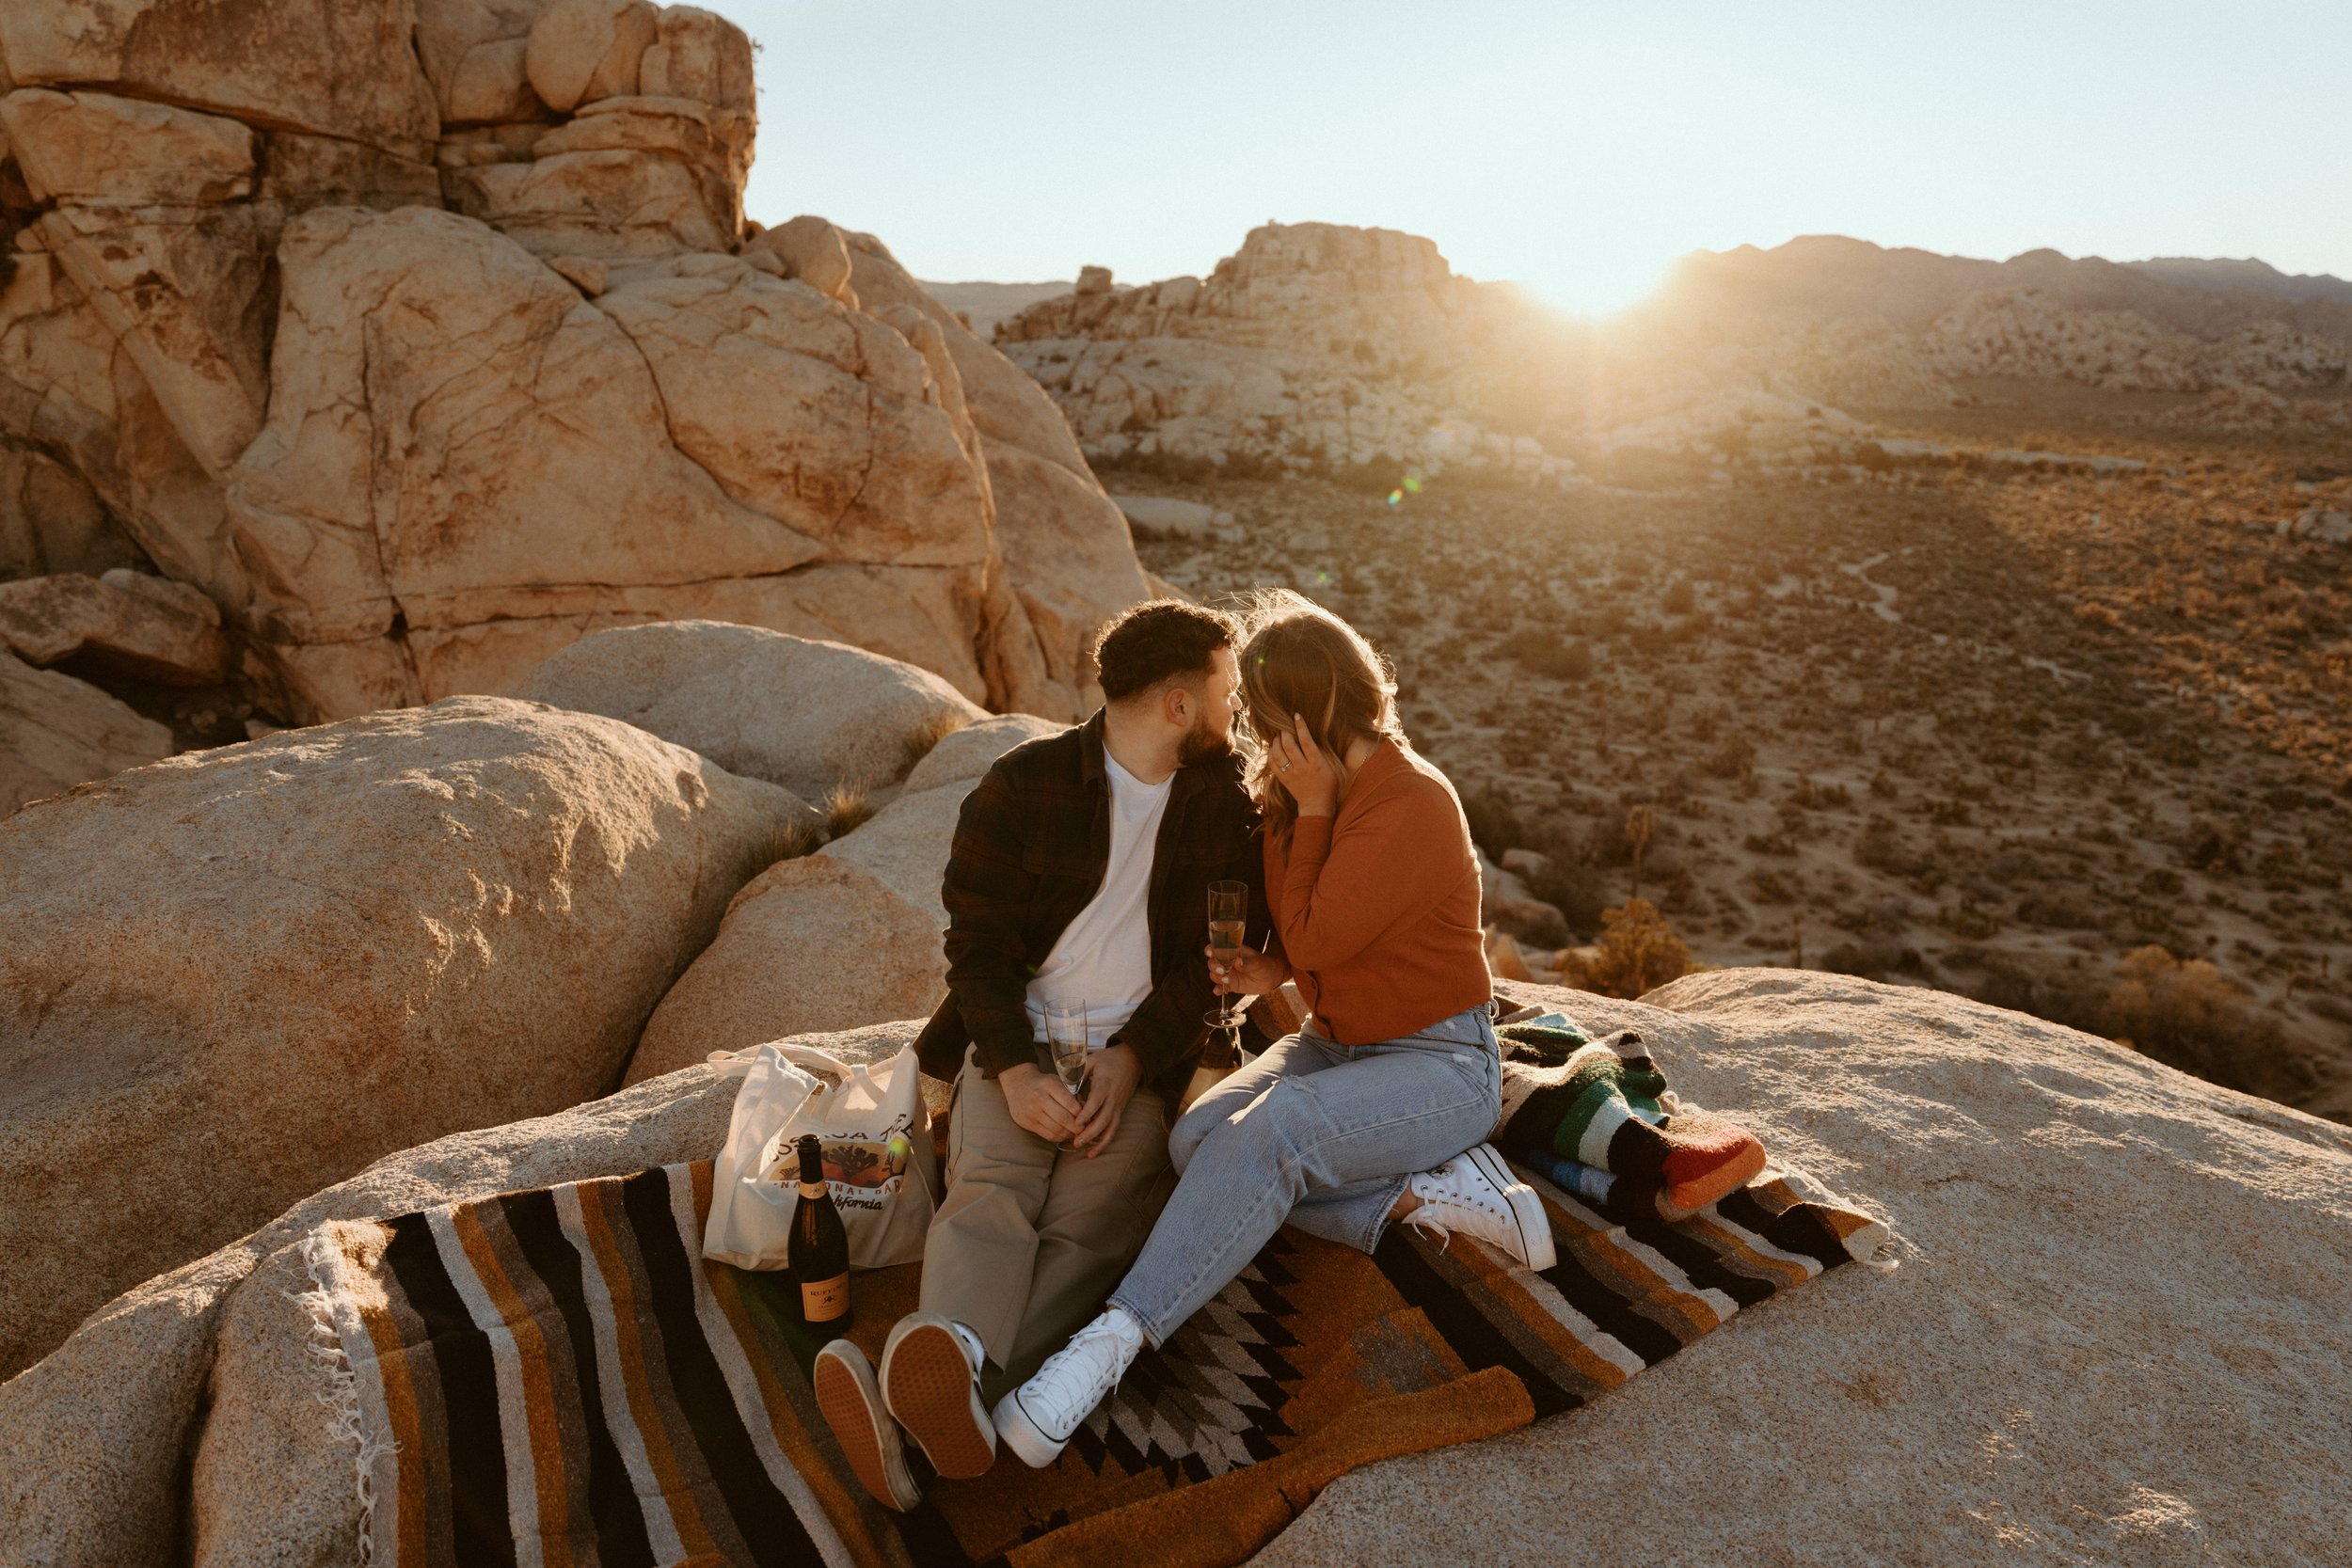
<point x="1830" y="276"/>
<point x="2251" y="273"/>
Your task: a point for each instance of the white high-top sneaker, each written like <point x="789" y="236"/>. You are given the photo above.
<point x="1475" y="1194"/>
<point x="1036" y="1419"/>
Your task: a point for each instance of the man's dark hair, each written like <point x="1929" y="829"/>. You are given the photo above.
<point x="1157" y="641"/>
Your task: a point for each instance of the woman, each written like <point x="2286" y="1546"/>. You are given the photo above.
<point x="1365" y="1115"/>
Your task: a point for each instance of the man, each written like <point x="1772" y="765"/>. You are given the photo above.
<point x="1078" y="874"/>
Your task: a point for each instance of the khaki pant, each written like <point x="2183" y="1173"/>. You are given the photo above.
<point x="1031" y="1238"/>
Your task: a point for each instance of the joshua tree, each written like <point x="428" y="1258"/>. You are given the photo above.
<point x="1637" y="830"/>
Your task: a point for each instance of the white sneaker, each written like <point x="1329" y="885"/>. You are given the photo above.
<point x="930" y="1378"/>
<point x="852" y="1407"/>
<point x="1475" y="1194"/>
<point x="1037" y="1419"/>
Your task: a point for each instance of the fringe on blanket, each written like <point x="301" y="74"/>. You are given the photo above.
<point x="345" y="1423"/>
<point x="1875" y="1246"/>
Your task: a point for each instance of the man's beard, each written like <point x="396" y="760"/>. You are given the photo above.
<point x="1200" y="743"/>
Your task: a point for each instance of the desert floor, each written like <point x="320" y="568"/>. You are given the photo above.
<point x="1955" y="723"/>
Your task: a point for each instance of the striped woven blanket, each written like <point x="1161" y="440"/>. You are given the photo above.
<point x="557" y="1377"/>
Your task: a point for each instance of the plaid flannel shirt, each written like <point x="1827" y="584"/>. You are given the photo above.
<point x="1030" y="851"/>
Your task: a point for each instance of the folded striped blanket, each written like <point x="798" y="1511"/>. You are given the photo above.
<point x="1596" y="1117"/>
<point x="558" y="1377"/>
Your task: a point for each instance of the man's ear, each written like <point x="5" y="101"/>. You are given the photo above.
<point x="1175" y="704"/>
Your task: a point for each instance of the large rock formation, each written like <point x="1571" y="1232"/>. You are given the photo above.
<point x="236" y="975"/>
<point x="842" y="937"/>
<point x="1314" y="348"/>
<point x="417" y="337"/>
<point x="2098" y="1255"/>
<point x="1066" y="551"/>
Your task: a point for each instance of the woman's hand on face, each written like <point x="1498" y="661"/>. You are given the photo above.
<point x="1309" y="773"/>
<point x="1247" y="972"/>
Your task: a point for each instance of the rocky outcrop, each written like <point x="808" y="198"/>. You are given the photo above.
<point x="808" y="716"/>
<point x="845" y="936"/>
<point x="56" y="732"/>
<point x="2097" y="1255"/>
<point x="1314" y="348"/>
<point x="703" y="439"/>
<point x="100" y="1458"/>
<point x="450" y="917"/>
<point x="422" y="368"/>
<point x="146" y="628"/>
<point x="1064" y="551"/>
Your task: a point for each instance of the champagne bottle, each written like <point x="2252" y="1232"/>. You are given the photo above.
<point x="819" y="1252"/>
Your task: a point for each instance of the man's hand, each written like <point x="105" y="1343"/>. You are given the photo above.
<point x="1112" y="1075"/>
<point x="1038" y="1101"/>
<point x="1246" y="972"/>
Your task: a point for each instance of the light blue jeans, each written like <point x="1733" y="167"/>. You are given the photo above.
<point x="1320" y="1134"/>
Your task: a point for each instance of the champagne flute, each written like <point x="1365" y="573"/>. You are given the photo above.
<point x="1066" y="1036"/>
<point x="1229" y="918"/>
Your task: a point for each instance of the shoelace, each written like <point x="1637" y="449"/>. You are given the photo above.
<point x="1424" y="1221"/>
<point x="1063" y="1415"/>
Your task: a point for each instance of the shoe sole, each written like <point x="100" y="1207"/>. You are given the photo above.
<point x="1535" y="1247"/>
<point x="928" y="1385"/>
<point x="851" y="1403"/>
<point x="1025" y="1438"/>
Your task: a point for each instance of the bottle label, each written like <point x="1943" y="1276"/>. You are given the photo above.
<point x="823" y="1300"/>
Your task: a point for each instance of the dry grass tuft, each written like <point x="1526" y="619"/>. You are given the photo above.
<point x="846" y="808"/>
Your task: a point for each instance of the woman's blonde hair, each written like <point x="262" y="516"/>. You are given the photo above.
<point x="1298" y="658"/>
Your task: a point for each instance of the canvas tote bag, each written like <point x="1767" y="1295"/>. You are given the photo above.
<point x="878" y="1160"/>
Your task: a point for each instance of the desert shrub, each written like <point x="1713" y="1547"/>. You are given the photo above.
<point x="2064" y="909"/>
<point x="2335" y="1009"/>
<point x="2186" y="1012"/>
<point x="1810" y="794"/>
<point x="1545" y="653"/>
<point x="1883" y="848"/>
<point x="1638" y="952"/>
<point x="1874" y="959"/>
<point x="1734" y="759"/>
<point x="2182" y="1012"/>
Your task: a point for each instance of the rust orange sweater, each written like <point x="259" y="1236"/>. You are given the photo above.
<point x="1377" y="907"/>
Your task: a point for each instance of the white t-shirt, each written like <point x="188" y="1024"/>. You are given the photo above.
<point x="1104" y="955"/>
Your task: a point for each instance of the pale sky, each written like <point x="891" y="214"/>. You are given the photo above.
<point x="1575" y="147"/>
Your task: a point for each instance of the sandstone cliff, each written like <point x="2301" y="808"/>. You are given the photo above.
<point x="426" y="335"/>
